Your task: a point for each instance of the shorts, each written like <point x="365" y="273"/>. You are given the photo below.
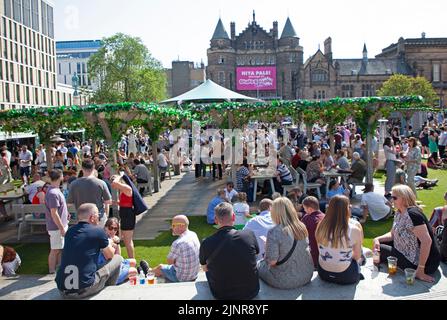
<point x="56" y="240"/>
<point x="128" y="219"/>
<point x="169" y="273"/>
<point x="25" y="171"/>
<point x="124" y="271"/>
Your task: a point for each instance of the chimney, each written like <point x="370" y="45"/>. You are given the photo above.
<point x="275" y="30"/>
<point x="423" y="35"/>
<point x="328" y="48"/>
<point x="233" y="31"/>
<point x="401" y="46"/>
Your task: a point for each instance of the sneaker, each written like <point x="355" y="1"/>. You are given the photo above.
<point x="144" y="266"/>
<point x="139" y="270"/>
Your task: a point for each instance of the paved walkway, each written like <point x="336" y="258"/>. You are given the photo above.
<point x="376" y="286"/>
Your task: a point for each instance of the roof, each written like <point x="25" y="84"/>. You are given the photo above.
<point x="372" y="67"/>
<point x="289" y="31"/>
<point x="220" y="32"/>
<point x="209" y="92"/>
<point x="78" y="44"/>
<point x="417" y="42"/>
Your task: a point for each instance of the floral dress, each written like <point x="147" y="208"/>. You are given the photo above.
<point x="414" y="155"/>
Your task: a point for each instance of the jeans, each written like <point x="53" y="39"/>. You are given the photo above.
<point x="349" y="276"/>
<point x="390" y="167"/>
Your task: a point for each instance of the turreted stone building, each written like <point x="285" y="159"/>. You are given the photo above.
<point x="257" y="63"/>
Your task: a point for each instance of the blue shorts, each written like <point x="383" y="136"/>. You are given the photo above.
<point x="124" y="272"/>
<point x="169" y="273"/>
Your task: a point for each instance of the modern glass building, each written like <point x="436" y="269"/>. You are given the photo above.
<point x="72" y="57"/>
<point x="28" y="56"/>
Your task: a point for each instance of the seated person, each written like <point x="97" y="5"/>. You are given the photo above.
<point x="183" y="259"/>
<point x="241" y="209"/>
<point x="434" y="163"/>
<point x="219" y="198"/>
<point x="401" y="176"/>
<point x="423" y="183"/>
<point x="288" y="263"/>
<point x="358" y="169"/>
<point x="375" y="205"/>
<point x="128" y="266"/>
<point x="230" y="192"/>
<point x="296" y="158"/>
<point x="423" y="172"/>
<point x="33" y="188"/>
<point x="311" y="220"/>
<point x="340" y="253"/>
<point x="83" y="244"/>
<point x="261" y="224"/>
<point x="229" y="259"/>
<point x="342" y="160"/>
<point x="439" y="216"/>
<point x="9" y="261"/>
<point x="283" y="176"/>
<point x="314" y="170"/>
<point x="141" y="173"/>
<point x="336" y="189"/>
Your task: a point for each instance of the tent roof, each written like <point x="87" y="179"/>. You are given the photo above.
<point x="210" y="92"/>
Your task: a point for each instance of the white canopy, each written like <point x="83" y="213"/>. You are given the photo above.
<point x="210" y="92"/>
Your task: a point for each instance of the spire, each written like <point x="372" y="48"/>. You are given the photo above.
<point x="289" y="31"/>
<point x="220" y="32"/>
<point x="365" y="54"/>
<point x="254" y="16"/>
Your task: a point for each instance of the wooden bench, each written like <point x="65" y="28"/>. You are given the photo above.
<point x="26" y="212"/>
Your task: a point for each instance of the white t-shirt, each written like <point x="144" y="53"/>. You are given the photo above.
<point x="240" y="209"/>
<point x="231" y="194"/>
<point x="162" y="162"/>
<point x="26" y="156"/>
<point x="376" y="204"/>
<point x="86" y="150"/>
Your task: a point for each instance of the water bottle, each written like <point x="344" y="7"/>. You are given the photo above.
<point x="142" y="278"/>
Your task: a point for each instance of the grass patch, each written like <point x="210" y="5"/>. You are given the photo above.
<point x="34" y="256"/>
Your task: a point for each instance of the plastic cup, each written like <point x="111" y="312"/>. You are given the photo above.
<point x="410" y="276"/>
<point x="392" y="266"/>
<point x="133" y="281"/>
<point x="150" y="277"/>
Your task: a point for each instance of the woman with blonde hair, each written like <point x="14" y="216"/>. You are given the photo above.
<point x="287" y="262"/>
<point x="411" y="238"/>
<point x="340" y="243"/>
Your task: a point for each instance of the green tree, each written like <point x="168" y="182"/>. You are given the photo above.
<point x="400" y="85"/>
<point x="126" y="71"/>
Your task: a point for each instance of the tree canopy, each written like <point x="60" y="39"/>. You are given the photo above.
<point x="126" y="71"/>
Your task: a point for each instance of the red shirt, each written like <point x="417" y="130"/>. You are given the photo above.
<point x="125" y="201"/>
<point x="311" y="222"/>
<point x="295" y="160"/>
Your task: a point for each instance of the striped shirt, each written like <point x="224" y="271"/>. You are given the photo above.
<point x="185" y="252"/>
<point x="284" y="173"/>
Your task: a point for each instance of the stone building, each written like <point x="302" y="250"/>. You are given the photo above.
<point x="184" y="76"/>
<point x="257" y="63"/>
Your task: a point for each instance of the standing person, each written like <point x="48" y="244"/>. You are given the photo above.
<point x="56" y="218"/>
<point x="183" y="259"/>
<point x="288" y="263"/>
<point x="411" y="238"/>
<point x="89" y="189"/>
<point x="41" y="160"/>
<point x="442" y="143"/>
<point x="340" y="244"/>
<point x="141" y="173"/>
<point x="84" y="243"/>
<point x="390" y="164"/>
<point x="423" y="137"/>
<point x="261" y="224"/>
<point x="413" y="161"/>
<point x="127" y="215"/>
<point x="433" y="144"/>
<point x="25" y="159"/>
<point x="229" y="259"/>
<point x="311" y="220"/>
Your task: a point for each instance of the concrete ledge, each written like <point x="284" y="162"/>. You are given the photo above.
<point x="376" y="286"/>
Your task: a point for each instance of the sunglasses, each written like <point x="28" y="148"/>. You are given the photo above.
<point x="177" y="224"/>
<point x="113" y="228"/>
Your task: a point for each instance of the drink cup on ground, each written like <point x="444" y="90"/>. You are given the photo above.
<point x="392" y="266"/>
<point x="410" y="276"/>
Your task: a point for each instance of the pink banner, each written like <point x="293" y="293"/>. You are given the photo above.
<point x="256" y="78"/>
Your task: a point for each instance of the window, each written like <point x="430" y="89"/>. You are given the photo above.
<point x="436" y="72"/>
<point x="60" y="68"/>
<point x="8" y="8"/>
<point x="7" y="71"/>
<point x="230" y="77"/>
<point x="78" y="68"/>
<point x="221" y="60"/>
<point x="221" y="78"/>
<point x="65" y="79"/>
<point x="319" y="76"/>
<point x="17" y="93"/>
<point x="11" y="71"/>
<point x="292" y="58"/>
<point x="1" y="70"/>
<point x="5" y="49"/>
<point x="43" y="8"/>
<point x="347" y="91"/>
<point x="50" y="22"/>
<point x="368" y="90"/>
<point x="35" y="14"/>
<point x="69" y="68"/>
<point x="5" y="28"/>
<point x="17" y="10"/>
<point x="27" y="13"/>
<point x="84" y="68"/>
<point x="7" y="92"/>
<point x="320" y="94"/>
<point x="27" y="95"/>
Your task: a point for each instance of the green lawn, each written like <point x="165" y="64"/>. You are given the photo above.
<point x="34" y="256"/>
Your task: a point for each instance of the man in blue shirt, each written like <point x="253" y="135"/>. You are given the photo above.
<point x="79" y="276"/>
<point x="218" y="199"/>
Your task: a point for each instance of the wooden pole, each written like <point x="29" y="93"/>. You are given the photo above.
<point x="155" y="167"/>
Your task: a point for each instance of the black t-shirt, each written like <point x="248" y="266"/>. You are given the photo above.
<point x="232" y="272"/>
<point x="83" y="243"/>
<point x="418" y="219"/>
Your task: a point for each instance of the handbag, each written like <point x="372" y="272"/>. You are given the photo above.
<point x="287" y="257"/>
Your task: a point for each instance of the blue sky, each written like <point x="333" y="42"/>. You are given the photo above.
<point x="182" y="29"/>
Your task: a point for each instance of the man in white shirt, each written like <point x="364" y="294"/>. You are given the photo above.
<point x="230" y="192"/>
<point x="261" y="225"/>
<point x="25" y="160"/>
<point x="375" y="205"/>
<point x="162" y="163"/>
